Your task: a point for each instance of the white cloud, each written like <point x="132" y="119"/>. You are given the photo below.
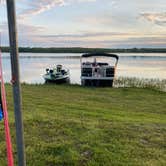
<point x="31" y="36"/>
<point x="156" y="18"/>
<point x="39" y="6"/>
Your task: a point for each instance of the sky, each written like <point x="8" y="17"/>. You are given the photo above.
<point x="88" y="23"/>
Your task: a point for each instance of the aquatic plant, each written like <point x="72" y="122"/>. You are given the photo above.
<point x="140" y="83"/>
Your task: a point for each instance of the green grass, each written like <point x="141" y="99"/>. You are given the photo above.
<point x="72" y="125"/>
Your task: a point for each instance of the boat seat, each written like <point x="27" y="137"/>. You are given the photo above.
<point x="102" y="64"/>
<point x="87" y="72"/>
<point x="110" y="72"/>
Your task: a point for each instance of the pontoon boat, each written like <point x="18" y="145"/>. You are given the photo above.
<point x="98" y="73"/>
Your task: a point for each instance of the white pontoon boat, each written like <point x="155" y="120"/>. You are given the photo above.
<point x="98" y="73"/>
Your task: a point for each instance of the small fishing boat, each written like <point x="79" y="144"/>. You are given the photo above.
<point x="57" y="75"/>
<point x="97" y="73"/>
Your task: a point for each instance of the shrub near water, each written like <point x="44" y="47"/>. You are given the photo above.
<point x="73" y="125"/>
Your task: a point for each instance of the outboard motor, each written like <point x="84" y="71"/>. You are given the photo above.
<point x="59" y="68"/>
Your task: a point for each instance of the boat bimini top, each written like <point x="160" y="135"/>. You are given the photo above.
<point x="88" y="55"/>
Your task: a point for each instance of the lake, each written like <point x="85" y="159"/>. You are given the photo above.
<point x="33" y="65"/>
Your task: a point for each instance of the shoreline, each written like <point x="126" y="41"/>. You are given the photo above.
<point x="84" y="50"/>
<point x="122" y="82"/>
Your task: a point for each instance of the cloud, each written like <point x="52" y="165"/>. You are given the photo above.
<point x="86" y="35"/>
<point x="97" y="26"/>
<point x="35" y="7"/>
<point x="25" y="33"/>
<point x="156" y="18"/>
<point x="100" y="39"/>
<point x="97" y="20"/>
<point x="23" y="29"/>
<point x="30" y="35"/>
<point x="38" y="6"/>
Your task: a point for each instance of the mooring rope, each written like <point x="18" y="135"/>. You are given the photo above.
<point x="5" y="114"/>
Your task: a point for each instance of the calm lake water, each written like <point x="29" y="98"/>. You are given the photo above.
<point x="33" y="65"/>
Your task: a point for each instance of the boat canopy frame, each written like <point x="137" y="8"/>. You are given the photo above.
<point x="87" y="55"/>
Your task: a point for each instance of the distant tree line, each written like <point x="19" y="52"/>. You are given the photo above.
<point x="85" y="50"/>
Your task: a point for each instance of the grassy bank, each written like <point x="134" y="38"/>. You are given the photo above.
<point x="73" y="125"/>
